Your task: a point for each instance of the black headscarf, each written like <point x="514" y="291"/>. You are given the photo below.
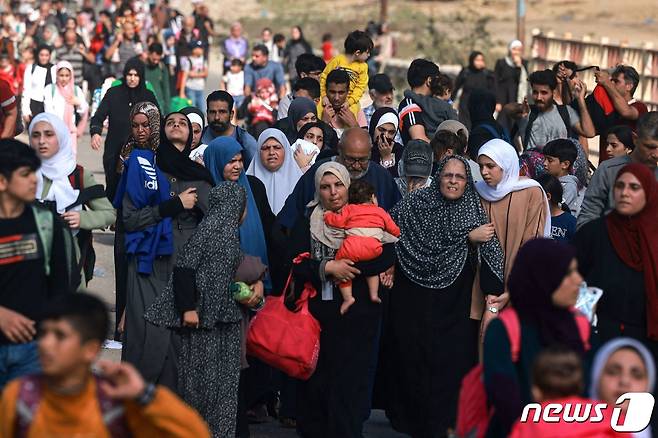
<point x="539" y="268"/>
<point x="481" y="106"/>
<point x="471" y="58"/>
<point x="330" y="138"/>
<point x="48" y="66"/>
<point x="299" y="107"/>
<point x="136" y="64"/>
<point x="177" y="163"/>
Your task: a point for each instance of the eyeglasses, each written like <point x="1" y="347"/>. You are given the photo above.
<point x="456" y="176"/>
<point x="351" y="161"/>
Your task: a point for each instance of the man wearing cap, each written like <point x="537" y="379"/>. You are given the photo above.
<point x="381" y="90"/>
<point x="261" y="67"/>
<point x="415" y="167"/>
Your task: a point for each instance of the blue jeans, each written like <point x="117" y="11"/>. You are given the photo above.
<point x="17" y="360"/>
<point x="197" y="97"/>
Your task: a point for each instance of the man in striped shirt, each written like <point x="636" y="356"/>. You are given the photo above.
<point x="74" y="52"/>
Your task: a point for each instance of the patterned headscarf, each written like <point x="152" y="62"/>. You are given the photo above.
<point x="212" y="256"/>
<point x="433" y="247"/>
<point x="152" y="113"/>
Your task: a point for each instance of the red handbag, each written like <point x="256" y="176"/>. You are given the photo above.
<point x="288" y="341"/>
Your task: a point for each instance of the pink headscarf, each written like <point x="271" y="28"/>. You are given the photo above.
<point x="67" y="92"/>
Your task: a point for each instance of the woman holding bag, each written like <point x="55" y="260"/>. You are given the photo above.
<point x="332" y="401"/>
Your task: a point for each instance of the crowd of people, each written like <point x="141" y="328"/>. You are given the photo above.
<point x="451" y="234"/>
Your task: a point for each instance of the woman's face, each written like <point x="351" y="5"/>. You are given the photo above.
<point x="630" y="198"/>
<point x="233" y="168"/>
<point x="132" y="78"/>
<point x="333" y="193"/>
<point x="315" y="136"/>
<point x="141" y="129"/>
<point x="491" y="172"/>
<point x="625" y="371"/>
<point x="478" y="62"/>
<point x="295" y="33"/>
<point x="615" y="148"/>
<point x="453" y="180"/>
<point x="308" y="118"/>
<point x="196" y="135"/>
<point x="44" y="140"/>
<point x="44" y="56"/>
<point x="566" y="294"/>
<point x="63" y="77"/>
<point x="272" y="154"/>
<point x="386" y="129"/>
<point x="177" y="130"/>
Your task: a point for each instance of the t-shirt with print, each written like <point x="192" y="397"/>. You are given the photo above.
<point x="547" y="126"/>
<point x="24" y="286"/>
<point x="196" y="64"/>
<point x="563" y="227"/>
<point x="234" y="83"/>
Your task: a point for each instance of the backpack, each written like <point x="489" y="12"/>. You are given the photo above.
<point x="473" y="409"/>
<point x="29" y="396"/>
<point x="494" y="132"/>
<point x="534" y="113"/>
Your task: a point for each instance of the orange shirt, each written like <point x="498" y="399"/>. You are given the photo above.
<point x="79" y="415"/>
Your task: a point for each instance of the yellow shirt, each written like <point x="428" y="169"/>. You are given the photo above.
<point x="358" y="72"/>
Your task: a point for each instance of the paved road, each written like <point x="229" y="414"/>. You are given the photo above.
<point x="103" y="286"/>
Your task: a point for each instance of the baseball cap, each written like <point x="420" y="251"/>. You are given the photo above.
<point x="453" y="126"/>
<point x="380" y="83"/>
<point x="417" y="159"/>
<point x="195" y="43"/>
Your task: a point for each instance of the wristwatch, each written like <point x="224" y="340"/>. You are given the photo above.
<point x="147" y="396"/>
<point x="492" y="309"/>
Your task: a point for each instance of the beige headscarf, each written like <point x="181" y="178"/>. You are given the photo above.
<point x="332" y="237"/>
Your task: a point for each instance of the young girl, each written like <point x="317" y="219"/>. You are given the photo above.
<point x="620" y="141"/>
<point x="366" y="226"/>
<point x="563" y="223"/>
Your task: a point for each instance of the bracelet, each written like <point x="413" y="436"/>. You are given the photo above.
<point x="260" y="305"/>
<point x="147" y="396"/>
<point x="492" y="309"/>
<point x="388" y="163"/>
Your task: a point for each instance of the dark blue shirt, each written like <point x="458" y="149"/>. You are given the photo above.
<point x="563" y="227"/>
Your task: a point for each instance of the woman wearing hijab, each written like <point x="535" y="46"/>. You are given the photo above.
<point x="622" y="365"/>
<point x="619" y="254"/>
<point x="35" y="79"/>
<point x="543" y="287"/>
<point x="197" y="302"/>
<point x="511" y="73"/>
<point x="383" y="128"/>
<point x="197" y="119"/>
<point x="161" y="206"/>
<point x="275" y="168"/>
<point x="443" y="241"/>
<point x="116" y="106"/>
<point x="322" y="135"/>
<point x="332" y="402"/>
<point x="302" y="110"/>
<point x="71" y="191"/>
<point x="517" y="207"/>
<point x="481" y="108"/>
<point x="474" y="76"/>
<point x="297" y="45"/>
<point x="65" y="100"/>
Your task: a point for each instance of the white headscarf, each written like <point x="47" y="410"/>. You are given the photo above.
<point x="389" y="117"/>
<point x="505" y="156"/>
<point x="58" y="167"/>
<point x="281" y="183"/>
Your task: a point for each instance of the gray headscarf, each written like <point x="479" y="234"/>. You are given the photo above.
<point x="299" y="107"/>
<point x="320" y="231"/>
<point x="208" y="261"/>
<point x="433" y="246"/>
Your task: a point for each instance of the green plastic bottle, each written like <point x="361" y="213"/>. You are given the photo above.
<point x="240" y="291"/>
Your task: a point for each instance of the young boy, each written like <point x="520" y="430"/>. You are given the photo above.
<point x="33" y="262"/>
<point x="358" y="46"/>
<point x="559" y="156"/>
<point x="563" y="224"/>
<point x="67" y="399"/>
<point x="366" y="226"/>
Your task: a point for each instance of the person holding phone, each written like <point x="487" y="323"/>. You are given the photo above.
<point x="383" y="130"/>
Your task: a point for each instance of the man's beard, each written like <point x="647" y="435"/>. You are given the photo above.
<point x="354" y="175"/>
<point x="219" y="127"/>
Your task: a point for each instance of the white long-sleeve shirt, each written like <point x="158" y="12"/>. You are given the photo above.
<point x="34" y="84"/>
<point x="54" y="102"/>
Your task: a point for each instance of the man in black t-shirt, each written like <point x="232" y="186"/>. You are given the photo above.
<point x="33" y="261"/>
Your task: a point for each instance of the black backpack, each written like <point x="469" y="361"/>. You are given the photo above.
<point x="534" y="113"/>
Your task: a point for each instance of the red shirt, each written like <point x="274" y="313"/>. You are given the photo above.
<point x="641" y="109"/>
<point x="327" y="51"/>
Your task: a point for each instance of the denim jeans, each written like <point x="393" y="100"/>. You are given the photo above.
<point x="197" y="97"/>
<point x="17" y="360"/>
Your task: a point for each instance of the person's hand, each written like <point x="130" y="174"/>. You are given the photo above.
<point x="387" y="277"/>
<point x="579" y="89"/>
<point x="123" y="381"/>
<point x="328" y="112"/>
<point x="303" y="159"/>
<point x="258" y="291"/>
<point x="342" y="270"/>
<point x="96" y="141"/>
<point x="525" y="107"/>
<point x="347" y="117"/>
<point x="188" y="198"/>
<point x="602" y="77"/>
<point x="385" y="147"/>
<point x="499" y="301"/>
<point x="72" y="219"/>
<point x="191" y="319"/>
<point x="482" y="234"/>
<point x="499" y="107"/>
<point x="16" y="327"/>
<point x="518" y="60"/>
